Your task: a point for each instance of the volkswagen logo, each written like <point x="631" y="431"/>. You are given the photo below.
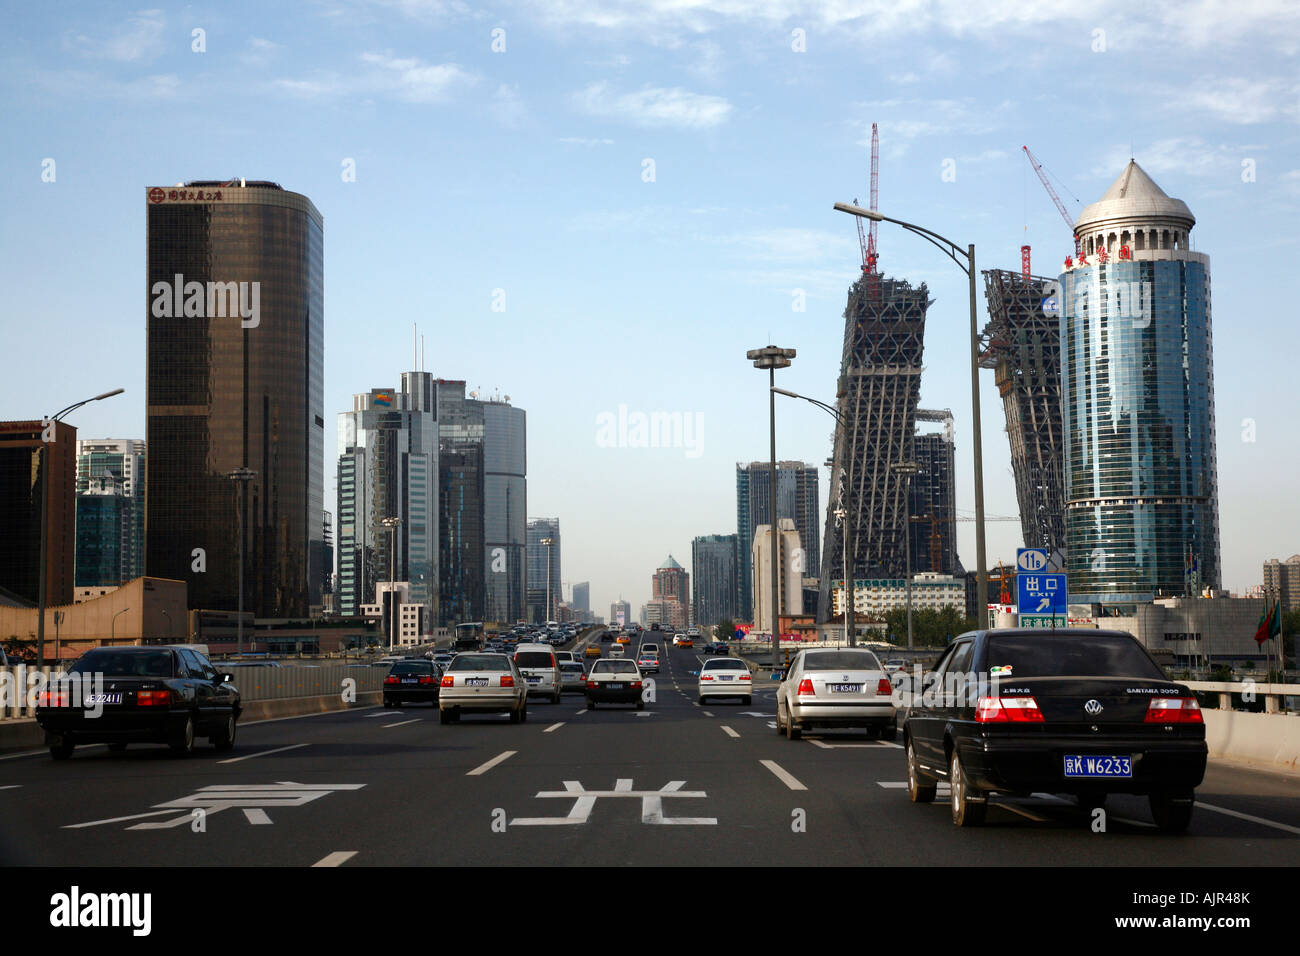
<point x="1092" y="708"/>
<point x="846" y="678"/>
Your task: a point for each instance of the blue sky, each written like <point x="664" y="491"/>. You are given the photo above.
<point x="525" y="171"/>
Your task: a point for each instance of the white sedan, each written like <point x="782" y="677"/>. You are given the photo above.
<point x="726" y="677"/>
<point x="483" y="683"/>
<point x="842" y="687"/>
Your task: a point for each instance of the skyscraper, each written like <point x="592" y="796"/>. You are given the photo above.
<point x="1138" y="401"/>
<point x="110" y="511"/>
<point x="582" y="597"/>
<point x="671" y="587"/>
<point x="789" y="577"/>
<point x="797" y="498"/>
<point x="20" y="519"/>
<point x="235" y="319"/>
<point x="715" y="564"/>
<point x="388" y="468"/>
<point x="543" y="557"/>
<point x="620" y="612"/>
<point x="932" y="498"/>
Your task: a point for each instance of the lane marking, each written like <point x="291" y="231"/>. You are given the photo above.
<point x="729" y="732"/>
<point x="784" y="776"/>
<point x="337" y="858"/>
<point x="581" y="712"/>
<point x="263" y="753"/>
<point x="484" y="768"/>
<point x="553" y="727"/>
<point x="708" y="714"/>
<point x="1246" y="816"/>
<point x="382" y="713"/>
<point x="403" y="723"/>
<point x="11" y="786"/>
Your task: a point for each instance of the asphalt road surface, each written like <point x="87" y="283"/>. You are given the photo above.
<point x="676" y="784"/>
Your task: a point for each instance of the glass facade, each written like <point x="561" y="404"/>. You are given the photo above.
<point x="460" y="485"/>
<point x="715" y="566"/>
<point x="797" y="496"/>
<point x="110" y="551"/>
<point x="505" y="510"/>
<point x="541" y="558"/>
<point x="231" y="387"/>
<point x="1138" y="404"/>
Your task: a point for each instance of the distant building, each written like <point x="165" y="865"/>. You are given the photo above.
<point x="672" y="588"/>
<point x="874" y="597"/>
<point x="20" y="518"/>
<point x="620" y="613"/>
<point x="797" y="497"/>
<point x="1282" y="581"/>
<point x="543" y="558"/>
<point x="110" y="511"/>
<point x="715" y="566"/>
<point x="582" y="597"/>
<point x="932" y="499"/>
<point x="412" y="623"/>
<point x="789" y="573"/>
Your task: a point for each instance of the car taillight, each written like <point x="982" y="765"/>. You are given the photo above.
<point x="746" y="677"/>
<point x="426" y="679"/>
<point x="884" y="688"/>
<point x="1007" y="710"/>
<point x="591" y="684"/>
<point x="52" y="698"/>
<point x="806" y="687"/>
<point x="153" y="698"/>
<point x="635" y="683"/>
<point x="507" y="681"/>
<point x="706" y="677"/>
<point x="390" y="680"/>
<point x="1174" y="710"/>
<point x="448" y="681"/>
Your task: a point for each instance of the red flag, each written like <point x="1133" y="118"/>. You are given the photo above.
<point x="1262" y="634"/>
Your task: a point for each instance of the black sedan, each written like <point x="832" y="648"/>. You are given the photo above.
<point x="412" y="682"/>
<point x="122" y="695"/>
<point x="1076" y="711"/>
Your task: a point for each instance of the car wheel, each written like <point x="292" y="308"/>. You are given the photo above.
<point x="967" y="807"/>
<point x="182" y="740"/>
<point x="387" y="703"/>
<point x="791" y="731"/>
<point x="117" y="748"/>
<point x="63" y="749"/>
<point x="916" y="790"/>
<point x="556" y="698"/>
<point x="226" y="739"/>
<point x="1172" y="811"/>
<point x="591" y="705"/>
<point x="444" y="716"/>
<point x="514" y="716"/>
<point x="523" y="711"/>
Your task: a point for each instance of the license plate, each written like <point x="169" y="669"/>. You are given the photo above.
<point x="534" y="680"/>
<point x="724" y="677"/>
<point x="1090" y="766"/>
<point x="93" y="700"/>
<point x="614" y="686"/>
<point x="476" y="681"/>
<point x="846" y="688"/>
<point x="410" y="680"/>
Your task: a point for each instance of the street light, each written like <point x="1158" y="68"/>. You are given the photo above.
<point x="907" y="469"/>
<point x="773" y="358"/>
<point x="966" y="263"/>
<point x="243" y="476"/>
<point x="846" y="484"/>
<point x="45" y="516"/>
<point x="546" y="543"/>
<point x="392" y="525"/>
<point x="112" y="627"/>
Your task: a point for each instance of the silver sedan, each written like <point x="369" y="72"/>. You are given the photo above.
<point x="836" y="687"/>
<point x="482" y="683"/>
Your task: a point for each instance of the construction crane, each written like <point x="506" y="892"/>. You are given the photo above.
<point x="1060" y="206"/>
<point x="867" y="240"/>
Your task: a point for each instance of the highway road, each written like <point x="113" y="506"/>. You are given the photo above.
<point x="677" y="784"/>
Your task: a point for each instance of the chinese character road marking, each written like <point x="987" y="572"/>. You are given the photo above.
<point x="251" y="798"/>
<point x="652" y="804"/>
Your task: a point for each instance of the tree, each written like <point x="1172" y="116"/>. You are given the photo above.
<point x="930" y="628"/>
<point x="726" y="630"/>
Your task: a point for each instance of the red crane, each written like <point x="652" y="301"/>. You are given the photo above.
<point x="1060" y="206"/>
<point x="870" y="262"/>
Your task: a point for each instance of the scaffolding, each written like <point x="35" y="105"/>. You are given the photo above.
<point x="879" y="386"/>
<point x="1023" y="347"/>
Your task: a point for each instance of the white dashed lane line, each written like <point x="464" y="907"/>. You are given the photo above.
<point x="403" y="723"/>
<point x="729" y="732"/>
<point x="484" y="768"/>
<point x="553" y="727"/>
<point x="337" y="858"/>
<point x="783" y="775"/>
<point x="263" y="753"/>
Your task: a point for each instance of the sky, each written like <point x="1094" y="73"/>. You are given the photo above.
<point x="590" y="205"/>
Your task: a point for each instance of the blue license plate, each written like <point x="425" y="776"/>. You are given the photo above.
<point x="1093" y="766"/>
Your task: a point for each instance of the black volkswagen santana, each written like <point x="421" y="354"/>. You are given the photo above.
<point x="121" y="695"/>
<point x="1076" y="711"/>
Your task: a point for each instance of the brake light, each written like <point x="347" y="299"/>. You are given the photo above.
<point x="806" y="688"/>
<point x="153" y="698"/>
<point x="52" y="698"/>
<point x="426" y="679"/>
<point x="390" y="680"/>
<point x="635" y="683"/>
<point x="591" y="684"/>
<point x="448" y="681"/>
<point x="1174" y="710"/>
<point x="746" y="677"/>
<point x="1007" y="710"/>
<point x="507" y="680"/>
<point x="706" y="677"/>
<point x="884" y="688"/>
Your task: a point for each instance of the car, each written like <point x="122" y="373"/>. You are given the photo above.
<point x="540" y="669"/>
<point x="648" y="648"/>
<point x="725" y="678"/>
<point x="836" y="687"/>
<point x="566" y="657"/>
<point x="648" y="661"/>
<point x="593" y="650"/>
<point x="163" y="694"/>
<point x="686" y="641"/>
<point x="607" y="638"/>
<point x="573" y="677"/>
<point x="616" y="650"/>
<point x="622" y="639"/>
<point x="721" y="647"/>
<point x="654" y="627"/>
<point x="614" y="681"/>
<point x="412" y="682"/>
<point x="1075" y="711"/>
<point x="895" y="664"/>
<point x="482" y="683"/>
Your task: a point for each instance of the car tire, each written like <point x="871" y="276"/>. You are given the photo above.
<point x="1172" y="811"/>
<point x="555" y="699"/>
<point x="523" y="711"/>
<point x="916" y="790"/>
<point x="967" y="808"/>
<point x="444" y="716"/>
<point x="182" y="739"/>
<point x="889" y="732"/>
<point x="514" y="716"/>
<point x="117" y="748"/>
<point x="591" y="705"/>
<point x="791" y="731"/>
<point x="63" y="749"/>
<point x="387" y="703"/>
<point x="225" y="740"/>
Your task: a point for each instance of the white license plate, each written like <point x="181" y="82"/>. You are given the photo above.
<point x="93" y="700"/>
<point x="476" y="681"/>
<point x="1090" y="766"/>
<point x="846" y="688"/>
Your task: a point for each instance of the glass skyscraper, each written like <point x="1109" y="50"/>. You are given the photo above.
<point x="715" y="566"/>
<point x="110" y="511"/>
<point x="796" y="498"/>
<point x="235" y="307"/>
<point x="541" y="558"/>
<point x="1137" y="388"/>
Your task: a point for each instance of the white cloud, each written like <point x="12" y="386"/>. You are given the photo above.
<point x="1239" y="100"/>
<point x="586" y="141"/>
<point x="1178" y="156"/>
<point x="137" y="40"/>
<point x="507" y="107"/>
<point x="654" y="106"/>
<point x="414" y="80"/>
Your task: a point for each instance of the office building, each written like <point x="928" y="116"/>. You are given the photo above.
<point x="1282" y="581"/>
<point x="789" y="574"/>
<point x="20" y="521"/>
<point x="460" y="529"/>
<point x="582" y="597"/>
<point x="1137" y="395"/>
<point x="620" y="613"/>
<point x="110" y="511"/>
<point x="235" y="336"/>
<point x="671" y="588"/>
<point x="932" y="498"/>
<point x="797" y="498"/>
<point x="543" y="566"/>
<point x="715" y="566"/>
<point x="873" y="598"/>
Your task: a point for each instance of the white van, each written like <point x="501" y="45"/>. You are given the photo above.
<point x="540" y="669"/>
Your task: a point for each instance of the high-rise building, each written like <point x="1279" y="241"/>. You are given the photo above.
<point x="671" y="586"/>
<point x="620" y="613"/>
<point x="110" y="511"/>
<point x="797" y="498"/>
<point x="715" y="566"/>
<point x="1282" y="581"/>
<point x="877" y="393"/>
<point x="20" y="519"/>
<point x="582" y="597"/>
<point x="932" y="498"/>
<point x="789" y="576"/>
<point x="460" y="527"/>
<point x="388" y="468"/>
<point x="1137" y="396"/>
<point x="235" y="379"/>
<point x="543" y="558"/>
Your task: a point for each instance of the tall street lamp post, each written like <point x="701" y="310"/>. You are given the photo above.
<point x="392" y="524"/>
<point x="907" y="469"/>
<point x="966" y="263"/>
<point x="773" y="358"/>
<point x="45" y="517"/>
<point x="547" y="615"/>
<point x="243" y="476"/>
<point x="112" y="627"/>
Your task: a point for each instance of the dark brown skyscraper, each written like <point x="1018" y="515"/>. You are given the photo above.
<point x="235" y="315"/>
<point x="20" y="529"/>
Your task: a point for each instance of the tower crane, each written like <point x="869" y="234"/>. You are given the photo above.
<point x="1060" y="206"/>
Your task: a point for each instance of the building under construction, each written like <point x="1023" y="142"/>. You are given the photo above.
<point x="1024" y="351"/>
<point x="933" y="497"/>
<point x="879" y="386"/>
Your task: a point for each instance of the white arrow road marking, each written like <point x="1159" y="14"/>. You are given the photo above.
<point x="337" y="858"/>
<point x="784" y="776"/>
<point x="484" y="768"/>
<point x="263" y="753"/>
<point x="729" y="732"/>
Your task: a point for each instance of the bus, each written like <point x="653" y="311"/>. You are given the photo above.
<point x="468" y="637"/>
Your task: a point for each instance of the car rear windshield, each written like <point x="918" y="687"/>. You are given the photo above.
<point x="572" y="668"/>
<point x="1047" y="655"/>
<point x="124" y="664"/>
<point x="412" y="667"/>
<point x="480" y="662"/>
<point x="730" y="664"/>
<point x="613" y="667"/>
<point x="534" y="659"/>
<point x="840" y="660"/>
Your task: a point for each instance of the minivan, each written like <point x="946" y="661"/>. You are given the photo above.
<point x="540" y="669"/>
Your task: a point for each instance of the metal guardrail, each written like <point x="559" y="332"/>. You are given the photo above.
<point x="1277" y="698"/>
